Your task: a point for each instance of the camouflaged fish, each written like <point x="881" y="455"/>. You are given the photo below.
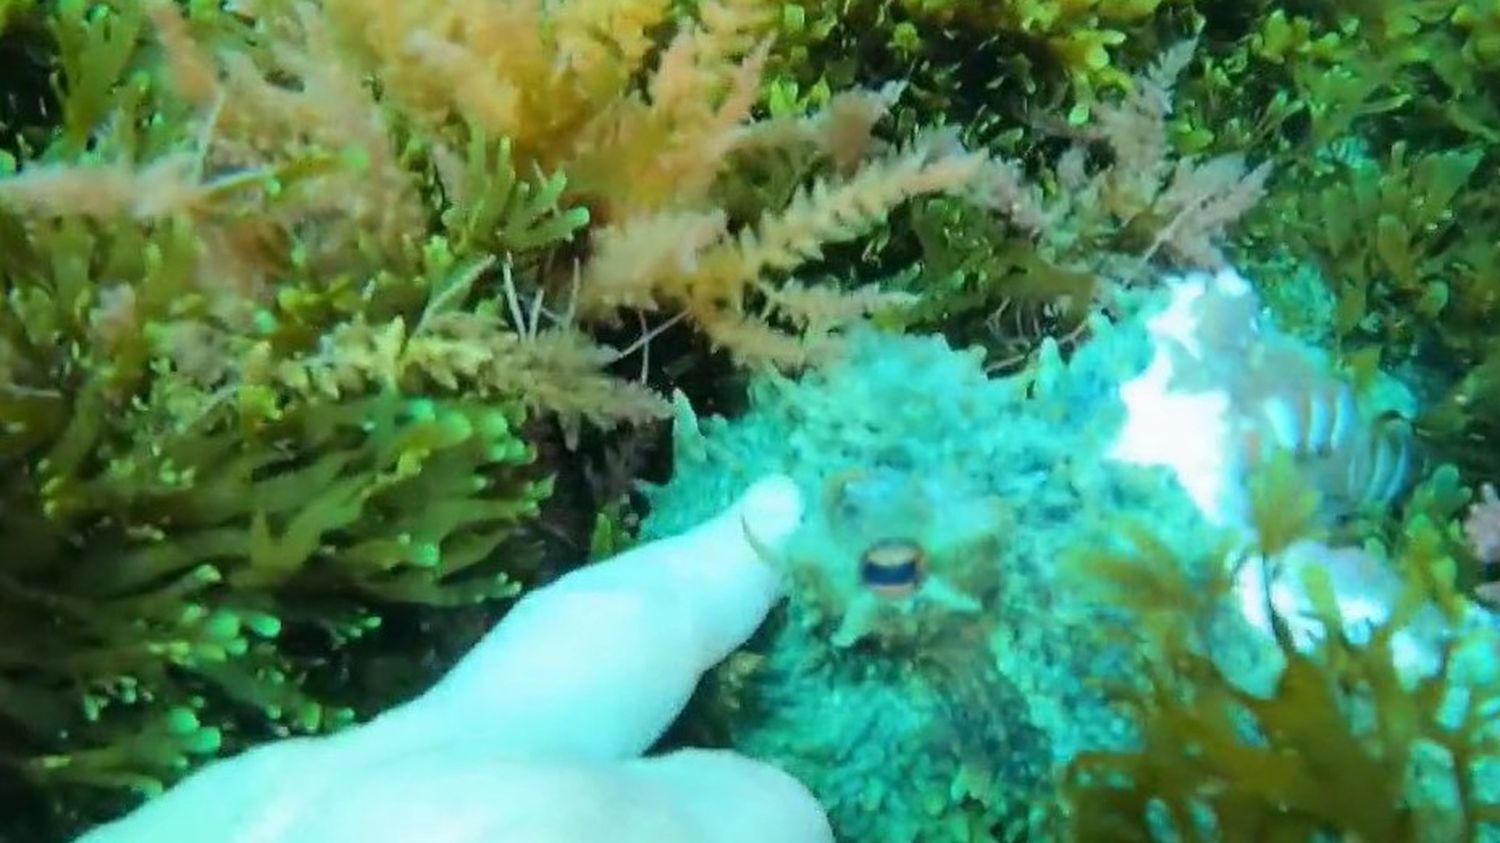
<point x="1355" y="461"/>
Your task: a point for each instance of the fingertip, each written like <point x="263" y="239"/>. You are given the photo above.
<point x="771" y="509"/>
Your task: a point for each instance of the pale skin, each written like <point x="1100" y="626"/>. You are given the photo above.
<point x="537" y="734"/>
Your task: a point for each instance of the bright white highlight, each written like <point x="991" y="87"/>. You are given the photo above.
<point x="1186" y="428"/>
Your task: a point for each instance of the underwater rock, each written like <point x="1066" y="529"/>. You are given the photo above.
<point x="932" y="664"/>
<point x="936" y="661"/>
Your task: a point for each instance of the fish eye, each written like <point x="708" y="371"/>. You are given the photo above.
<point x="893" y="568"/>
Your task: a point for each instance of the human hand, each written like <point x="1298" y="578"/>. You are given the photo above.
<point x="536" y="734"/>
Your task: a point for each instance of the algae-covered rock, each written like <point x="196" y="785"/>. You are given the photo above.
<point x="936" y="657"/>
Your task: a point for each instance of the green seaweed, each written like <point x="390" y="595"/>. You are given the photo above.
<point x="226" y="462"/>
<point x="1337" y="741"/>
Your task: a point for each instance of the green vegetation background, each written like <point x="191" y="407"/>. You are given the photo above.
<point x="187" y="568"/>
